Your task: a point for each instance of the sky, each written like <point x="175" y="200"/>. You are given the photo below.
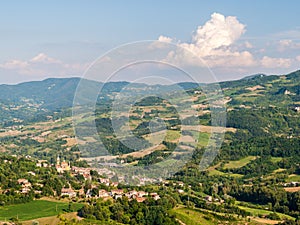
<point x="42" y="39"/>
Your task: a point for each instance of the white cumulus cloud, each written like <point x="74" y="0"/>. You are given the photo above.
<point x="218" y="43"/>
<point x="269" y="62"/>
<point x="218" y="32"/>
<point x="214" y="43"/>
<point x="164" y="39"/>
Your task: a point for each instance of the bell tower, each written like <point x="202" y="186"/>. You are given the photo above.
<point x="58" y="160"/>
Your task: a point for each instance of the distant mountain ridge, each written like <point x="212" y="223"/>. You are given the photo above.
<point x="51" y="93"/>
<point x="254" y="76"/>
<point x="56" y="93"/>
<point x="26" y="100"/>
<point x="59" y="92"/>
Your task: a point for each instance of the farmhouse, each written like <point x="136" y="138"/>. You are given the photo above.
<point x="68" y="192"/>
<point x="103" y="193"/>
<point x="117" y="192"/>
<point x="141" y="199"/>
<point x="155" y="196"/>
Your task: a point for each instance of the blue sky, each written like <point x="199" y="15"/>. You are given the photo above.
<point x="41" y="39"/>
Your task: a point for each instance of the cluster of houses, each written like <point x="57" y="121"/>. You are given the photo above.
<point x="26" y="185"/>
<point x="42" y="163"/>
<point x="86" y="173"/>
<point x="63" y="166"/>
<point x="209" y="198"/>
<point x="69" y="192"/>
<point x="140" y="196"/>
<point x="292" y="184"/>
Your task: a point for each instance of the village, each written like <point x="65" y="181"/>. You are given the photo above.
<point x="111" y="192"/>
<point x="103" y="188"/>
<point x="96" y="190"/>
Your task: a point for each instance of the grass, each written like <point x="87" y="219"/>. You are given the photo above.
<point x="201" y="194"/>
<point x="198" y="216"/>
<point x="279" y="170"/>
<point x="203" y="139"/>
<point x="256" y="212"/>
<point x="236" y="175"/>
<point x="166" y="163"/>
<point x="172" y="135"/>
<point x="192" y="217"/>
<point x="219" y="173"/>
<point x="293" y="177"/>
<point x="216" y="172"/>
<point x="51" y="220"/>
<point x="35" y="209"/>
<point x="239" y="163"/>
<point x="155" y="138"/>
<point x="276" y="159"/>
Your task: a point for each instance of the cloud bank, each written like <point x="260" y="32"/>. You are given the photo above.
<point x="44" y="65"/>
<point x="219" y="44"/>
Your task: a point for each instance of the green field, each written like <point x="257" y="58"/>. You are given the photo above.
<point x="216" y="172"/>
<point x="35" y="209"/>
<point x="172" y="135"/>
<point x="239" y="163"/>
<point x="220" y="173"/>
<point x="276" y="159"/>
<point x="256" y="212"/>
<point x="280" y="170"/>
<point x="203" y="139"/>
<point x="192" y="217"/>
<point x="197" y="216"/>
<point x="293" y="178"/>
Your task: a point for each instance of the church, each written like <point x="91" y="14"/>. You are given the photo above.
<point x="62" y="166"/>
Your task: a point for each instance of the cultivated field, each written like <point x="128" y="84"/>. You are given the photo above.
<point x="35" y="209"/>
<point x="239" y="163"/>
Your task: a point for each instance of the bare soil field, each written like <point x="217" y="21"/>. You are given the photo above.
<point x="292" y="189"/>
